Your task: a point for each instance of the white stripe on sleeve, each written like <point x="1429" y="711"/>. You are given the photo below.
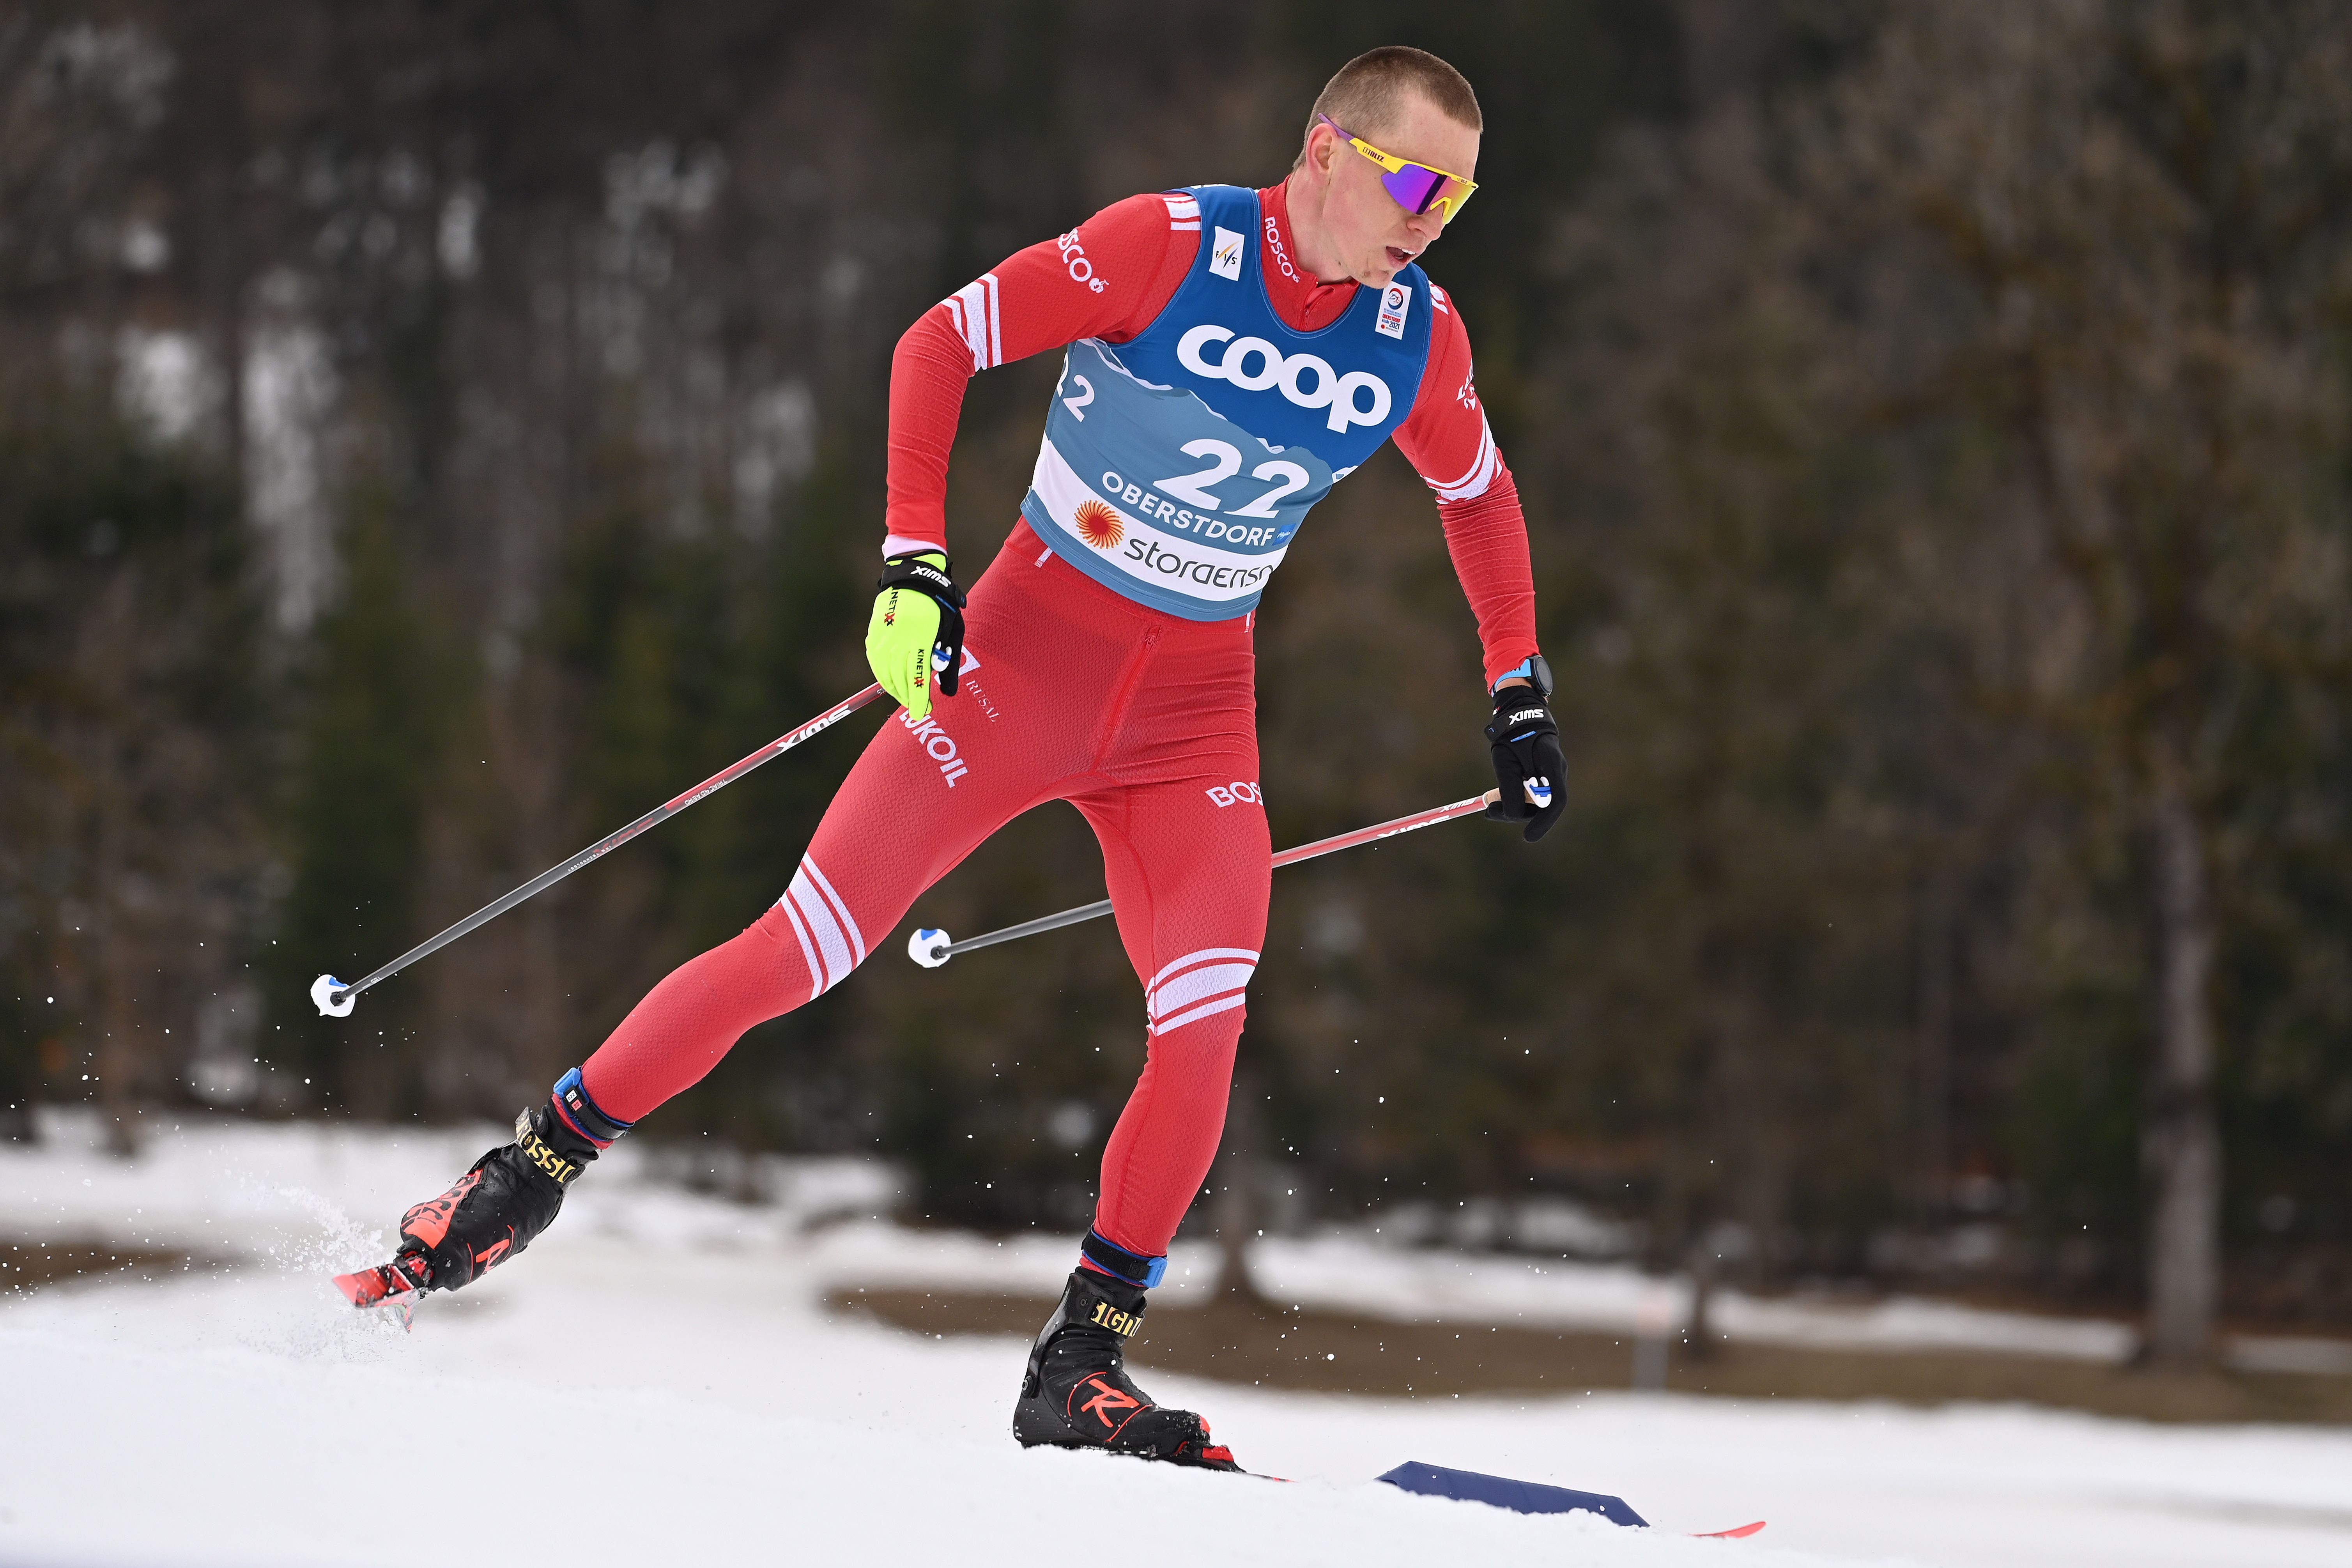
<point x="1483" y="468"/>
<point x="972" y="308"/>
<point x="954" y="303"/>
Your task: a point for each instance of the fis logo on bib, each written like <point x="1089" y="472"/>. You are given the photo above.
<point x="1225" y="255"/>
<point x="1395" y="299"/>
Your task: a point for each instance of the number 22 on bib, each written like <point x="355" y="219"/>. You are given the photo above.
<point x="1177" y="467"/>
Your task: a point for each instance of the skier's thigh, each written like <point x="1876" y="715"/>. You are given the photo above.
<point x="920" y="798"/>
<point x="1188" y="864"/>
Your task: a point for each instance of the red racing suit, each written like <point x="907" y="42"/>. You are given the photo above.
<point x="1146" y="721"/>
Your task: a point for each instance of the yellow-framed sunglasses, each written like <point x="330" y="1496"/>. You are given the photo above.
<point x="1417" y="187"/>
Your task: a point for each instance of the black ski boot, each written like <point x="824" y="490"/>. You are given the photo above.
<point x="500" y="1205"/>
<point x="1076" y="1392"/>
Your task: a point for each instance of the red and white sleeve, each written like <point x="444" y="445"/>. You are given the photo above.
<point x="1447" y="440"/>
<point x="1106" y="279"/>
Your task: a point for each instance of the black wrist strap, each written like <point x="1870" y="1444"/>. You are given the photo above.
<point x="1534" y="669"/>
<point x="907" y="572"/>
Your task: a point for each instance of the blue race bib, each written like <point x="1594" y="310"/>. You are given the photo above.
<point x="1176" y="468"/>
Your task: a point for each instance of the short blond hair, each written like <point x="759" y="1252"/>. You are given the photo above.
<point x="1368" y="95"/>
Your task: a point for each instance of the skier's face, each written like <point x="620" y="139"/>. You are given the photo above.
<point x="1368" y="232"/>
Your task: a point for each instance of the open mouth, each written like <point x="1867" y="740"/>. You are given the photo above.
<point x="1401" y="258"/>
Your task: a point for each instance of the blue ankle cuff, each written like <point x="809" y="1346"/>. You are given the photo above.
<point x="572" y="1102"/>
<point x="1120" y="1264"/>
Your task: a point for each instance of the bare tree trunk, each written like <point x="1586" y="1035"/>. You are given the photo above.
<point x="117" y="1057"/>
<point x="115" y="1061"/>
<point x="2182" y="1146"/>
<point x="1698" y="1334"/>
<point x="1236" y="1215"/>
<point x="1238" y="1208"/>
<point x="1932" y="1162"/>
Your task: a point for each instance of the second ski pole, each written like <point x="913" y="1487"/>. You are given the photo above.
<point x="932" y="948"/>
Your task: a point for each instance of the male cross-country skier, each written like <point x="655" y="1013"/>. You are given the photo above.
<point x="1231" y="354"/>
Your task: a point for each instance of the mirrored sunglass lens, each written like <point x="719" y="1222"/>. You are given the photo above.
<point x="1414" y="186"/>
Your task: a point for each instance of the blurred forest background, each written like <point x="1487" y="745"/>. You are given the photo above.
<point x="433" y="433"/>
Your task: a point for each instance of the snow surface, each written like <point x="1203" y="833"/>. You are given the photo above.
<point x="659" y="1375"/>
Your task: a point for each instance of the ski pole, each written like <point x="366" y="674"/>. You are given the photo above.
<point x="336" y="999"/>
<point x="932" y="948"/>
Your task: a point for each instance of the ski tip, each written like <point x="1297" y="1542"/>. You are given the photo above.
<point x="1739" y="1532"/>
<point x="364" y="1289"/>
<point x="387" y="1284"/>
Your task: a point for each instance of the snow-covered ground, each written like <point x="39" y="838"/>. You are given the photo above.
<point x="228" y="1185"/>
<point x="657" y="1381"/>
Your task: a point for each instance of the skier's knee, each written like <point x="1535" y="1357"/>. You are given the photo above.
<point x="1202" y="984"/>
<point x="826" y="934"/>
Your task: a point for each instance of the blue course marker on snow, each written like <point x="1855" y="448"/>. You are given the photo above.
<point x="1519" y="1497"/>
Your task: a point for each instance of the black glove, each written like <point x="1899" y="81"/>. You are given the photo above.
<point x="1527" y="754"/>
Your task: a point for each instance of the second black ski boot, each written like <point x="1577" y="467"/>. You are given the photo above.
<point x="1077" y="1393"/>
<point x="508" y="1196"/>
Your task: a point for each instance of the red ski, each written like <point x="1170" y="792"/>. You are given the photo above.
<point x="399" y="1284"/>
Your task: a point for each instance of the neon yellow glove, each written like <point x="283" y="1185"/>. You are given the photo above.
<point x="916" y="630"/>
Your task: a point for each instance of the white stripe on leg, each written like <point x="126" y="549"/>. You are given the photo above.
<point x="839" y="905"/>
